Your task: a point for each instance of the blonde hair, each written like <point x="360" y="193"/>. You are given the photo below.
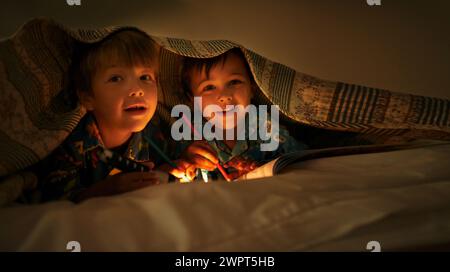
<point x="126" y="47"/>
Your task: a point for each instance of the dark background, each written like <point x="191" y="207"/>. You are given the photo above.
<point x="402" y="45"/>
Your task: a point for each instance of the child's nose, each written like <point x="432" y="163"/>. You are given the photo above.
<point x="137" y="93"/>
<point x="225" y="97"/>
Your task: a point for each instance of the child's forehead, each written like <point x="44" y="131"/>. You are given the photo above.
<point x="233" y="65"/>
<point x="114" y="58"/>
<point x="124" y="66"/>
<point x="113" y="64"/>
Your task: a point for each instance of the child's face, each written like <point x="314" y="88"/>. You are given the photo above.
<point x="123" y="98"/>
<point x="228" y="84"/>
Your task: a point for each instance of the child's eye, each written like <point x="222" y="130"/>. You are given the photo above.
<point x="234" y="82"/>
<point x="147" y="78"/>
<point x="115" y="79"/>
<point x="209" y="88"/>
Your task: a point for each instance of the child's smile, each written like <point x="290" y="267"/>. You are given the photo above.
<point x="136" y="108"/>
<point x="123" y="99"/>
<point x="228" y="84"/>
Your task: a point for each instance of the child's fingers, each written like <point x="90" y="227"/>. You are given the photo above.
<point x="203" y="151"/>
<point x="182" y="164"/>
<point x="184" y="169"/>
<point x="241" y="165"/>
<point x="203" y="163"/>
<point x="176" y="172"/>
<point x="205" y="145"/>
<point x="191" y="172"/>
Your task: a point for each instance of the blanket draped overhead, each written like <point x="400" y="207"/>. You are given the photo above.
<point x="37" y="112"/>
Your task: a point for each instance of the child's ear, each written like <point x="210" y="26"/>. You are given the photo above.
<point x="86" y="99"/>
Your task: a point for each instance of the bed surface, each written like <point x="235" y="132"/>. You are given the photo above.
<point x="400" y="199"/>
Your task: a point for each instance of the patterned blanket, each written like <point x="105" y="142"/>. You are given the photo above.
<point x="38" y="112"/>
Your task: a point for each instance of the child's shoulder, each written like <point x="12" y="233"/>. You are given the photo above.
<point x="83" y="137"/>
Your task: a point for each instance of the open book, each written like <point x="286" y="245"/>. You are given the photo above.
<point x="275" y="166"/>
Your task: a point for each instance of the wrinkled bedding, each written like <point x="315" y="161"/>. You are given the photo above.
<point x="401" y="199"/>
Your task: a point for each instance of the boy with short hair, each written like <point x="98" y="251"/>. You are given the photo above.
<point x="116" y="81"/>
<point x="226" y="80"/>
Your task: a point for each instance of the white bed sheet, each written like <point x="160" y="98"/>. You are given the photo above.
<point x="400" y="199"/>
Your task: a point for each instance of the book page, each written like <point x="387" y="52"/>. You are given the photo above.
<point x="265" y="170"/>
<point x="273" y="167"/>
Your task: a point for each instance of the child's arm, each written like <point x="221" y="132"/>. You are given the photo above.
<point x="118" y="184"/>
<point x="58" y="175"/>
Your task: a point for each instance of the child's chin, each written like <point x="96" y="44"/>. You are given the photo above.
<point x="226" y="126"/>
<point x="231" y="124"/>
<point x="138" y="126"/>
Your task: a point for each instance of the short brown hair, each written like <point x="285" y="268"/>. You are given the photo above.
<point x="129" y="47"/>
<point x="197" y="64"/>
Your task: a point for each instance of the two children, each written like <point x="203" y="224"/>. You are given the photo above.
<point x="116" y="81"/>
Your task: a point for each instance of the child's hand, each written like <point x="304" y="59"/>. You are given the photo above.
<point x="201" y="155"/>
<point x="120" y="183"/>
<point x="241" y="165"/>
<point x="184" y="168"/>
